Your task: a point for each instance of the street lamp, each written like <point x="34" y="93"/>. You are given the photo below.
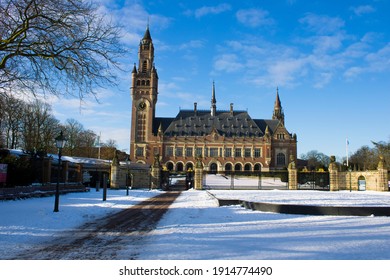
<point x="127" y="176"/>
<point x="60" y="144"/>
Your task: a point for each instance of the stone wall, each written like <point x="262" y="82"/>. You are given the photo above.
<point x="374" y="180"/>
<point x="138" y="174"/>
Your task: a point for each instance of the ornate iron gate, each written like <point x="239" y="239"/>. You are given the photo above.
<point x="177" y="180"/>
<point x="313" y="180"/>
<point x="245" y="180"/>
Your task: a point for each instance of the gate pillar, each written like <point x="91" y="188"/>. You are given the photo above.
<point x="198" y="176"/>
<point x="333" y="175"/>
<point x="382" y="175"/>
<point x="292" y="174"/>
<point x="156" y="173"/>
<point x="115" y="173"/>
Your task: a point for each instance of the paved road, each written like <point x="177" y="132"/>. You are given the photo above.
<point x="108" y="238"/>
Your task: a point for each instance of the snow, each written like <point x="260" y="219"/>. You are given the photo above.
<point x="308" y="197"/>
<point x="195" y="228"/>
<point x="24" y="223"/>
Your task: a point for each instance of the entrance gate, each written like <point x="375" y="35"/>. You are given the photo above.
<point x="313" y="180"/>
<point x="361" y="183"/>
<point x="177" y="181"/>
<point x="245" y="180"/>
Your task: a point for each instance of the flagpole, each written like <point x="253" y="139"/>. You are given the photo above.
<point x="346" y="150"/>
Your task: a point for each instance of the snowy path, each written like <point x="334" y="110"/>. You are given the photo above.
<point x="105" y="237"/>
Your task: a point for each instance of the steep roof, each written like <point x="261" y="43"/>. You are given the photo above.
<point x="199" y="123"/>
<point x="147" y="35"/>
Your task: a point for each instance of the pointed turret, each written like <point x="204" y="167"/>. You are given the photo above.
<point x="147" y="37"/>
<point x="160" y="130"/>
<point x="266" y="133"/>
<point x="278" y="104"/>
<point x="278" y="110"/>
<point x="213" y="101"/>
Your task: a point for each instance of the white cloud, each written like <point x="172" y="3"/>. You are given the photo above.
<point x="166" y="87"/>
<point x="133" y="18"/>
<point x="193" y="44"/>
<point x="322" y="24"/>
<point x="254" y="17"/>
<point x="323" y="79"/>
<point x="212" y="10"/>
<point x="374" y="62"/>
<point x="324" y="44"/>
<point x="352" y="72"/>
<point x="286" y="72"/>
<point x="362" y="10"/>
<point x="379" y="61"/>
<point x="227" y="63"/>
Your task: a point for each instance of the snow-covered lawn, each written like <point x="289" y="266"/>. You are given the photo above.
<point x="196" y="228"/>
<point x="308" y="197"/>
<point x="24" y="223"/>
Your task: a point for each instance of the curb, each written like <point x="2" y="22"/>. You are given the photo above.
<point x="308" y="209"/>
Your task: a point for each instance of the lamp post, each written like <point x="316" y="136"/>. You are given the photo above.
<point x="60" y="144"/>
<point x="127" y="176"/>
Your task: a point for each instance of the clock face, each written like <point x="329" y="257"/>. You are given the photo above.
<point x="142" y="106"/>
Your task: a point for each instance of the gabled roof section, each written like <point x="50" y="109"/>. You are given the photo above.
<point x="163" y="122"/>
<point x="272" y="124"/>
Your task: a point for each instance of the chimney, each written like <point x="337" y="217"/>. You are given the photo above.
<point x="231" y="108"/>
<point x="195" y="107"/>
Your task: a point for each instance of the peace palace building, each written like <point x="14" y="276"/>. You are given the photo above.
<point x="225" y="140"/>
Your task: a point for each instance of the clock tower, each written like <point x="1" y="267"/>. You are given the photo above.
<point x="144" y="91"/>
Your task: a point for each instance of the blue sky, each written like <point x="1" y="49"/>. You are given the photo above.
<point x="329" y="59"/>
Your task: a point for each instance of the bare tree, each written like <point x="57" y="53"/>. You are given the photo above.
<point x="11" y="117"/>
<point x="39" y="127"/>
<point x="365" y="158"/>
<point x="73" y="130"/>
<point x="87" y="144"/>
<point x="383" y="149"/>
<point x="316" y="159"/>
<point x="61" y="47"/>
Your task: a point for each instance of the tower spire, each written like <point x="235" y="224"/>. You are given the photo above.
<point x="147" y="36"/>
<point x="278" y="110"/>
<point x="213" y="108"/>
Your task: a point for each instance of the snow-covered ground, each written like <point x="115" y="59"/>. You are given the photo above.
<point x="196" y="228"/>
<point x="24" y="223"/>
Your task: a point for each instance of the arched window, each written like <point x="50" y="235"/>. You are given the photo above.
<point x="247" y="167"/>
<point x="148" y="83"/>
<point x="257" y="167"/>
<point x="141" y="127"/>
<point x="169" y="166"/>
<point x="213" y="168"/>
<point x="189" y="165"/>
<point x="179" y="167"/>
<point x="228" y="167"/>
<point x="280" y="159"/>
<point x="144" y="66"/>
<point x="138" y="82"/>
<point x="237" y="167"/>
<point x="143" y="82"/>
